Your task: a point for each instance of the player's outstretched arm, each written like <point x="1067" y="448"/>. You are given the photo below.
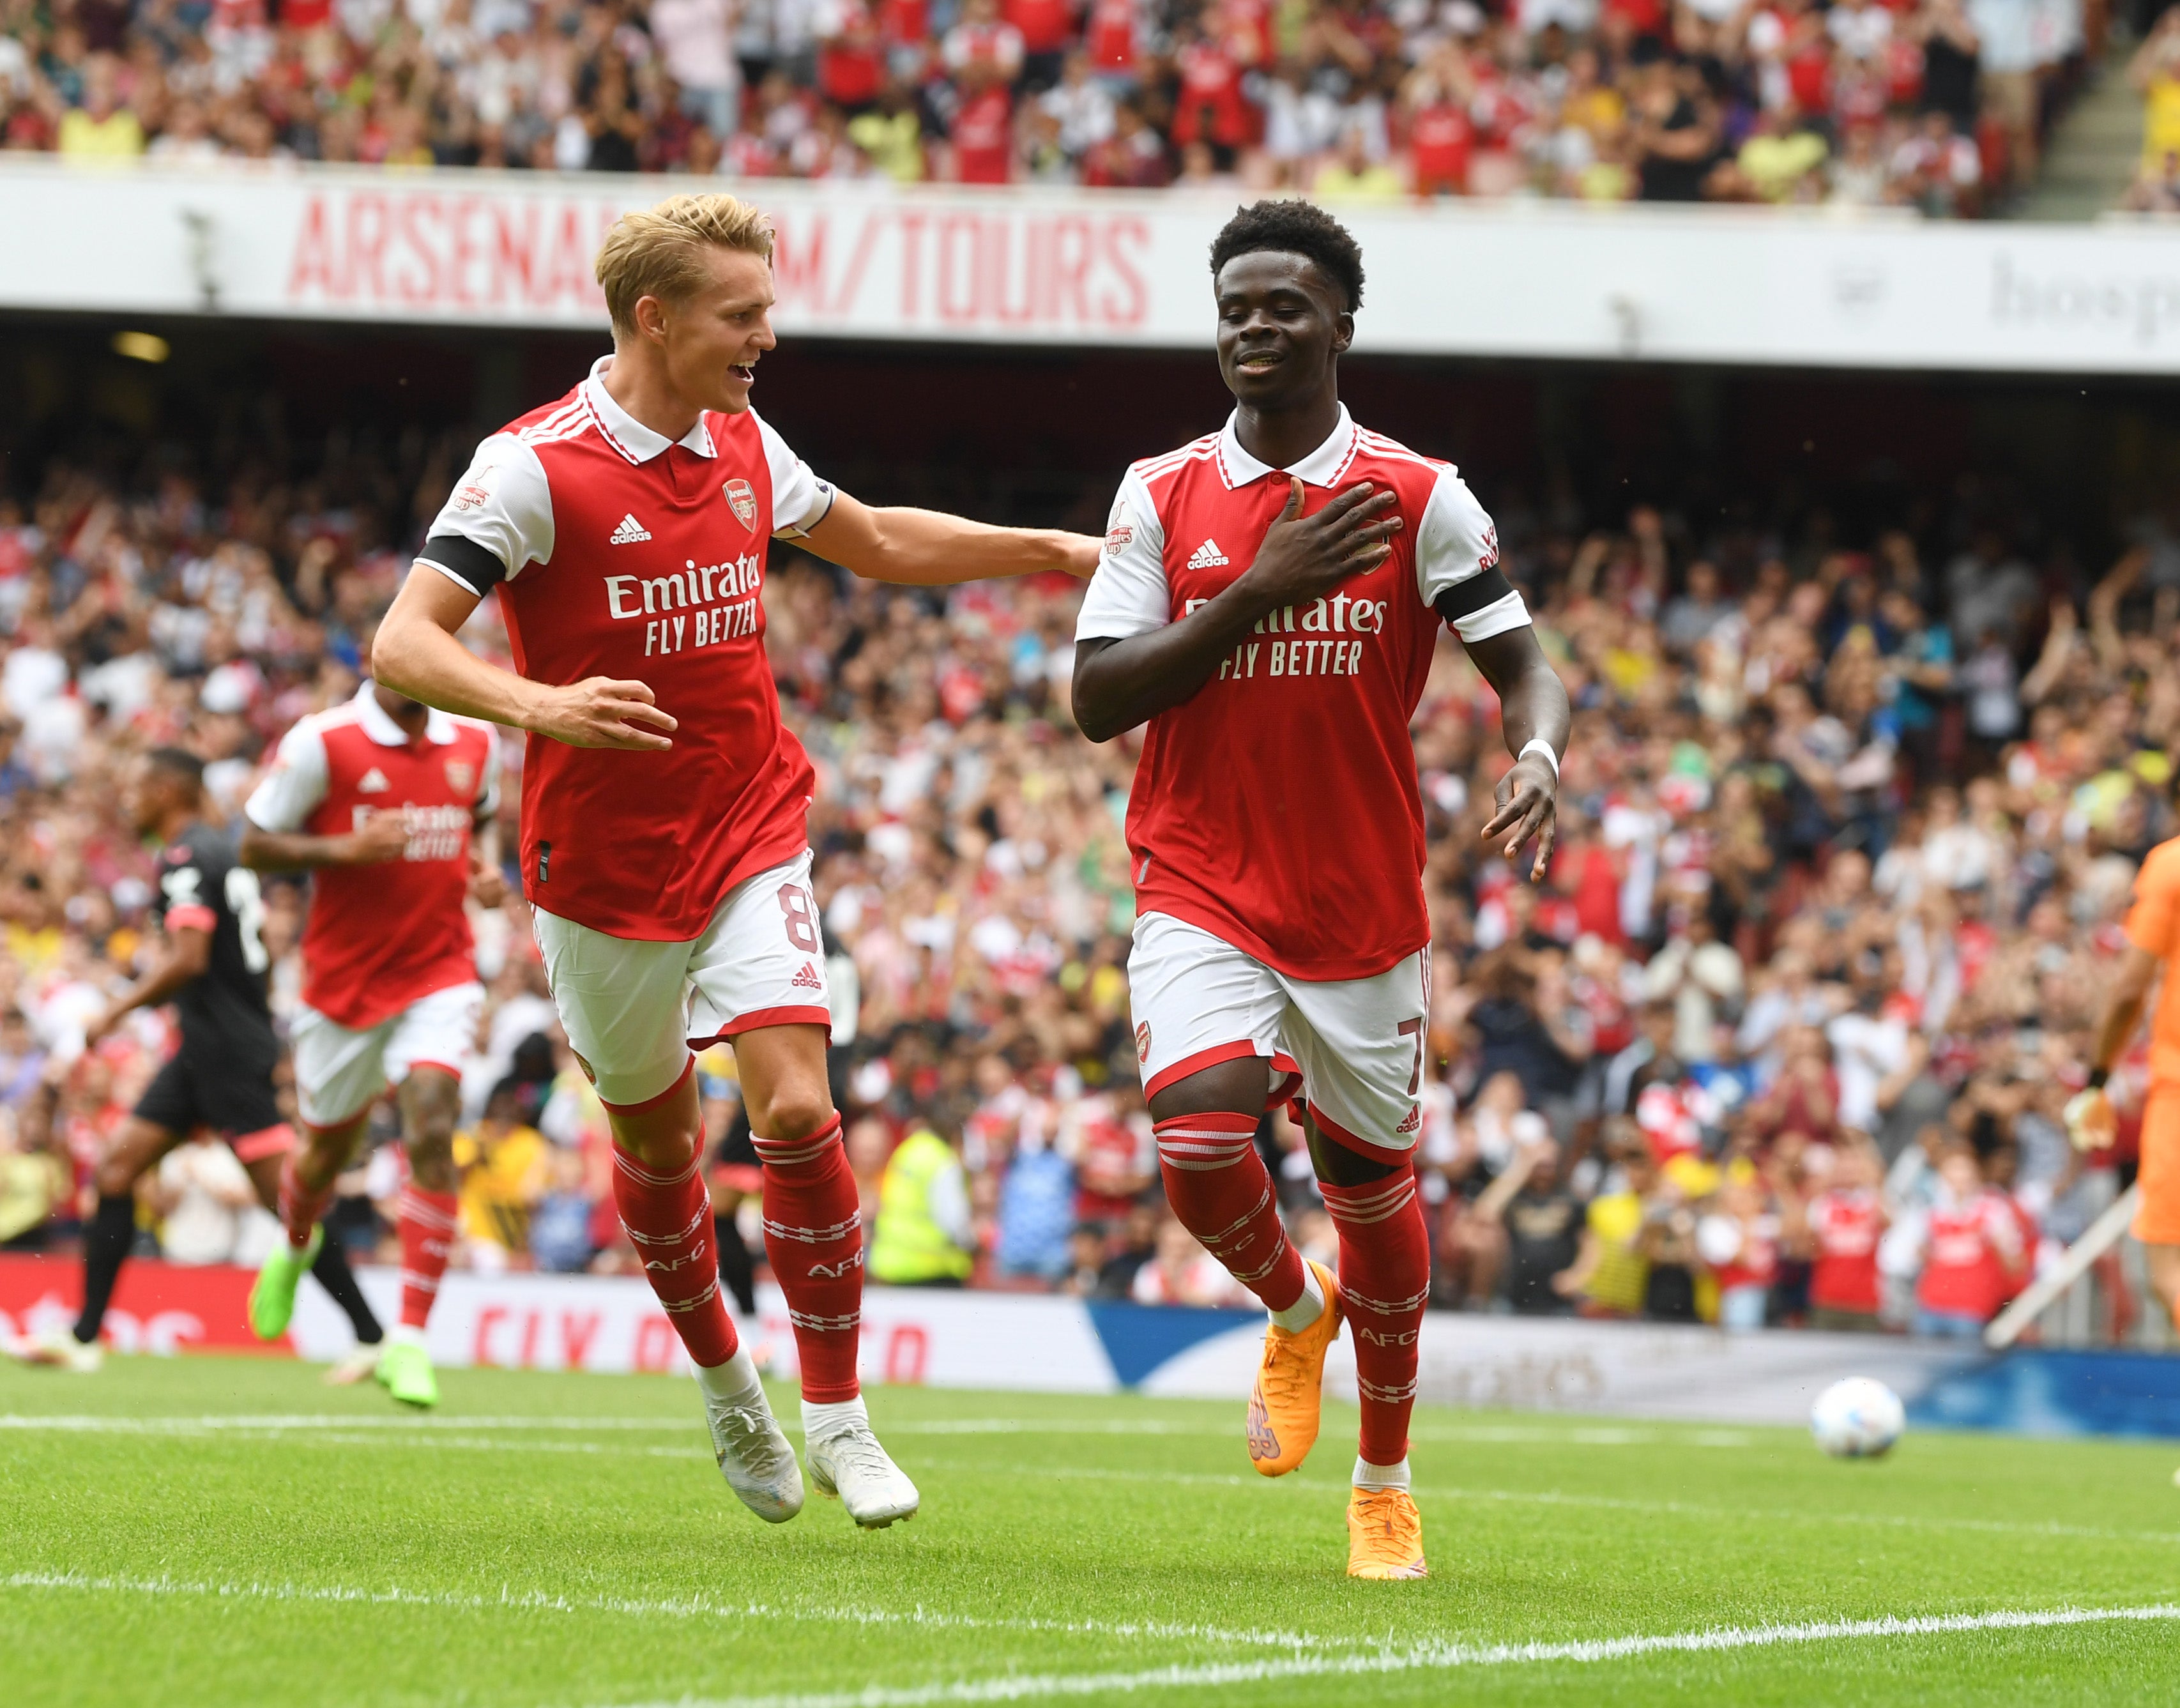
<point x="927" y="548"/>
<point x="187" y="954"/>
<point x="416" y="654"/>
<point x="1532" y="708"/>
<point x="1122" y="683"/>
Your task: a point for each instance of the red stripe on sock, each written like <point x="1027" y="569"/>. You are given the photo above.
<point x="1220" y="1189"/>
<point x="813" y="1239"/>
<point x="302" y="1207"/>
<point x="1385" y="1278"/>
<point x="426" y="1222"/>
<point x="670" y="1223"/>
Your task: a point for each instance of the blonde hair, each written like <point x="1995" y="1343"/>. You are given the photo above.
<point x="659" y="251"/>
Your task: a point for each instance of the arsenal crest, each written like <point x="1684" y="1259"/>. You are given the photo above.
<point x="740" y="495"/>
<point x="461" y="776"/>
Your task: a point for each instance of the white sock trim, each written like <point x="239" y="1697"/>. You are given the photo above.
<point x="1370" y="1476"/>
<point x="821" y="1419"/>
<point x="1305" y="1309"/>
<point x="734" y="1382"/>
<point x="401" y="1334"/>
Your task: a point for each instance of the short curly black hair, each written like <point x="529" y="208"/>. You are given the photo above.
<point x="1293" y="228"/>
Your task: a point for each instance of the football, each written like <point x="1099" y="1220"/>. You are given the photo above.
<point x="1858" y="1418"/>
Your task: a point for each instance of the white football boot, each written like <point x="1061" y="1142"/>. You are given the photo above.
<point x="847" y="1464"/>
<point x="754" y="1456"/>
<point x="59" y="1349"/>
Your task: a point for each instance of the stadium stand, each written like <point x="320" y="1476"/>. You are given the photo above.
<point x="1936" y="105"/>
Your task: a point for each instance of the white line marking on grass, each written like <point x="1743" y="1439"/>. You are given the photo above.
<point x="1614" y="1503"/>
<point x="1435" y="1657"/>
<point x="536" y="1601"/>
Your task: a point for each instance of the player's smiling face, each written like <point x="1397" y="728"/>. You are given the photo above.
<point x="1282" y="324"/>
<point x="714" y="337"/>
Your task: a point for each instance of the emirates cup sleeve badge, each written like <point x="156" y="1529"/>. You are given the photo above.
<point x="741" y="495"/>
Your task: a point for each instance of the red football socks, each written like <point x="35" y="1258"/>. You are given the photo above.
<point x="669" y="1219"/>
<point x="302" y="1207"/>
<point x="1384" y="1278"/>
<point x="1219" y="1186"/>
<point x="426" y="1222"/>
<point x="813" y="1239"/>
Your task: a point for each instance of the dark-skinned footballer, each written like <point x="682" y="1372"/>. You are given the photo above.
<point x="1269" y="601"/>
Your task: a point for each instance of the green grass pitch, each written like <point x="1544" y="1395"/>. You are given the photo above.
<point x="229" y="1532"/>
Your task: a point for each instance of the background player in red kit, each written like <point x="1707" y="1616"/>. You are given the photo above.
<point x="211" y="965"/>
<point x="1269" y="600"/>
<point x="380" y="798"/>
<point x="665" y="850"/>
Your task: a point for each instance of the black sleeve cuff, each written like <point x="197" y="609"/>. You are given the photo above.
<point x="465" y="560"/>
<point x="1467" y="598"/>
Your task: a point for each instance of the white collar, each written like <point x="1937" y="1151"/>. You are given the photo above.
<point x="378" y="723"/>
<point x="1320" y="468"/>
<point x="628" y="435"/>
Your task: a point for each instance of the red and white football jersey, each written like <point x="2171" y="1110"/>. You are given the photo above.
<point x="1278" y="808"/>
<point x="381" y="937"/>
<point x="1848" y="1225"/>
<point x="1972" y="1250"/>
<point x="619" y="553"/>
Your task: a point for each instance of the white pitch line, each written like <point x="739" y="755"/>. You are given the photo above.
<point x="534" y="1600"/>
<point x="1434" y="1657"/>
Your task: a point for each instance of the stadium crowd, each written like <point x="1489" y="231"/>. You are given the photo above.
<point x="1938" y="105"/>
<point x="1844" y="836"/>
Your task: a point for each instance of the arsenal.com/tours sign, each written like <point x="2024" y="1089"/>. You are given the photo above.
<point x="475" y="250"/>
<point x="1045" y="265"/>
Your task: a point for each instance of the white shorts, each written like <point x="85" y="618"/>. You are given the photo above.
<point x="340" y="1073"/>
<point x="633" y="1009"/>
<point x="1353" y="1047"/>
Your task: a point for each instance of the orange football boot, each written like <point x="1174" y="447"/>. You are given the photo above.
<point x="1385" y="1535"/>
<point x="1289" y="1395"/>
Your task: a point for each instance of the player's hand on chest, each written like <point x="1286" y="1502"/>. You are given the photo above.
<point x="1301" y="544"/>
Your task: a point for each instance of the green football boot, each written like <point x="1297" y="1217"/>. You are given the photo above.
<point x="272" y="1294"/>
<point x="405" y="1371"/>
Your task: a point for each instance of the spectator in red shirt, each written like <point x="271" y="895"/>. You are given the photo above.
<point x="984" y="52"/>
<point x="905" y="28"/>
<point x="1046" y="28"/>
<point x="851" y="55"/>
<point x="1973" y="1258"/>
<point x="983" y="136"/>
<point x="1113" y="37"/>
<point x="1740" y="1242"/>
<point x="1211" y="106"/>
<point x="1441" y="137"/>
<point x="1846" y="1222"/>
<point x="983" y="48"/>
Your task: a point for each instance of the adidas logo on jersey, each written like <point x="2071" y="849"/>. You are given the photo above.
<point x="1415" y="1120"/>
<point x="807" y="978"/>
<point x="1208" y="556"/>
<point x="374" y="782"/>
<point x="628" y="533"/>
